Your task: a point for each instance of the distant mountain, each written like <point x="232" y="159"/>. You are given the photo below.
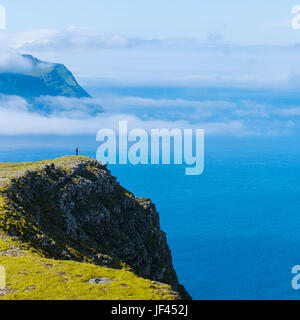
<point x="41" y="79"/>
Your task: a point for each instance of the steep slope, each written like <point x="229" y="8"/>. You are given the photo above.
<point x="32" y="276"/>
<point x="41" y="79"/>
<point x="73" y="209"/>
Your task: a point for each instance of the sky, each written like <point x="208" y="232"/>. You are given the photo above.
<point x="250" y="22"/>
<point x="172" y="42"/>
<point x="193" y="43"/>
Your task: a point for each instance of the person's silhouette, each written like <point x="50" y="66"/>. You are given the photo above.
<point x="77" y="151"/>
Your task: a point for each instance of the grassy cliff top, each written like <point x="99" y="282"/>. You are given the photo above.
<point x="32" y="275"/>
<point x="9" y="170"/>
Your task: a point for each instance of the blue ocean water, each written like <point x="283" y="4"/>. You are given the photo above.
<point x="234" y="231"/>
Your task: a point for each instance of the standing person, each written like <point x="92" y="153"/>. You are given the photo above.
<point x="77" y="151"/>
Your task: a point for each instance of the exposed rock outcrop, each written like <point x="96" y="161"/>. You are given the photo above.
<point x="74" y="209"/>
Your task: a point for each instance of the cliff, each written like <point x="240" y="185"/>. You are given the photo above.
<point x="41" y="79"/>
<point x="70" y="219"/>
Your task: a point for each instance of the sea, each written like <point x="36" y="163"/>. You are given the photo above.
<point x="234" y="231"/>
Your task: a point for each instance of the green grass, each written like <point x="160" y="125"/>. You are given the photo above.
<point x="11" y="169"/>
<point x="32" y="276"/>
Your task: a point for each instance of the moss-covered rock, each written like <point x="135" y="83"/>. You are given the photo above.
<point x="72" y="210"/>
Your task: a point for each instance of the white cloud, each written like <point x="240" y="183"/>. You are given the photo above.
<point x="75" y="108"/>
<point x="288" y="112"/>
<point x="115" y="101"/>
<point x="11" y="61"/>
<point x="17" y="117"/>
<point x="21" y="122"/>
<point x="121" y="59"/>
<point x="69" y="39"/>
<point x="14" y="103"/>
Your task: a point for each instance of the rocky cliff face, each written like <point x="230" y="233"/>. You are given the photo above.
<point x="41" y="79"/>
<point x="73" y="209"/>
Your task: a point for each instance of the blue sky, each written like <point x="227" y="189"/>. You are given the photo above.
<point x="160" y="42"/>
<point x="237" y="21"/>
<point x="170" y="40"/>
